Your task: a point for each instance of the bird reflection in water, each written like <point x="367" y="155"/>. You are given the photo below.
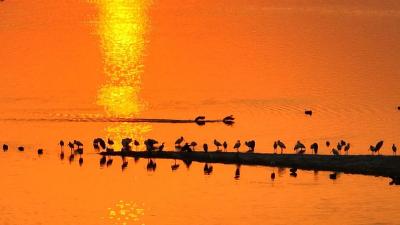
<point x="208" y="169"/>
<point x="174" y="166"/>
<point x="125" y="213"/>
<point x="124" y="163"/>
<point x="151" y="165"/>
<point x="237" y="172"/>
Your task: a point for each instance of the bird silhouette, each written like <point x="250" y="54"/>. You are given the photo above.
<point x="110" y="142"/>
<point x="225" y="145"/>
<point x="179" y="141"/>
<point x="21" y="148"/>
<point x="61" y="143"/>
<point x="237" y="145"/>
<point x="281" y="145"/>
<point x="205" y="147"/>
<point x="40" y="151"/>
<point x="378" y="146"/>
<point x="193" y="144"/>
<point x="347" y="148"/>
<point x="308" y="112"/>
<point x="174" y="166"/>
<point x="101" y="142"/>
<point x="251" y="145"/>
<point x="299" y="146"/>
<point x="136" y="143"/>
<point x="5" y="147"/>
<point x="314" y="148"/>
<point x="335" y="152"/>
<point x="217" y="143"/>
<point x="275" y="146"/>
<point x="394" y="149"/>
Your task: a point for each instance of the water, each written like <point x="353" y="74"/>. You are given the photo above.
<point x="265" y="62"/>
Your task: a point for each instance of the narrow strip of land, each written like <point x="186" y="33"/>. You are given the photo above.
<point x="388" y="166"/>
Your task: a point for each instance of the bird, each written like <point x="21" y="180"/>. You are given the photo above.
<point x="308" y="112"/>
<point x="335" y="152"/>
<point x="102" y="143"/>
<point x="301" y="152"/>
<point x="378" y="146"/>
<point x="327" y="143"/>
<point x="217" y="143"/>
<point x="205" y="147"/>
<point x="281" y="145"/>
<point x="237" y="145"/>
<point x="125" y="142"/>
<point x="40" y="151"/>
<point x="61" y="143"/>
<point x="225" y="145"/>
<point x="339" y="146"/>
<point x="186" y="148"/>
<point x="5" y="147"/>
<point x="200" y="120"/>
<point x="78" y="144"/>
<point x="314" y="147"/>
<point x="229" y="120"/>
<point x="179" y="141"/>
<point x="71" y="146"/>
<point x="251" y="145"/>
<point x="136" y="143"/>
<point x="275" y="146"/>
<point x="193" y="144"/>
<point x="161" y="147"/>
<point x="96" y="145"/>
<point x="21" y="148"/>
<point x="110" y="142"/>
<point x="394" y="149"/>
<point x="372" y="149"/>
<point x="347" y="148"/>
<point x="342" y="142"/>
<point x="299" y="146"/>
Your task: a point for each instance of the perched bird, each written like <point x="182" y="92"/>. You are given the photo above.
<point x="299" y="146"/>
<point x="102" y="143"/>
<point x="251" y="145"/>
<point x="21" y="148"/>
<point x="339" y="146"/>
<point x="394" y="149"/>
<point x="281" y="145"/>
<point x="275" y="146"/>
<point x="225" y="145"/>
<point x="217" y="143"/>
<point x="237" y="145"/>
<point x="193" y="144"/>
<point x="314" y="148"/>
<point x="347" y="148"/>
<point x="5" y="147"/>
<point x="205" y="147"/>
<point x="40" y="151"/>
<point x="126" y="144"/>
<point x="78" y="144"/>
<point x="179" y="141"/>
<point x="308" y="112"/>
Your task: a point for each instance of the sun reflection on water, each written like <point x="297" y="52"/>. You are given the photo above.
<point x="126" y="213"/>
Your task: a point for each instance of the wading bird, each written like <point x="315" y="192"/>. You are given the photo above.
<point x="205" y="147"/>
<point x="217" y="143"/>
<point x="314" y="148"/>
<point x="299" y="146"/>
<point x="275" y="146"/>
<point x="281" y="145"/>
<point x="394" y="149"/>
<point x="251" y="145"/>
<point x="378" y="146"/>
<point x="347" y="148"/>
<point x="335" y="152"/>
<point x="193" y="144"/>
<point x="237" y="145"/>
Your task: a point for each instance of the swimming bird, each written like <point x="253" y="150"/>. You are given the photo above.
<point x="161" y="147"/>
<point x="205" y="147"/>
<point x="21" y="148"/>
<point x="5" y="147"/>
<point x="335" y="152"/>
<point x="308" y="112"/>
<point x="281" y="145"/>
<point x="136" y="143"/>
<point x="217" y="143"/>
<point x="225" y="145"/>
<point x="275" y="146"/>
<point x="193" y="144"/>
<point x="314" y="148"/>
<point x="237" y="145"/>
<point x="179" y="141"/>
<point x="394" y="149"/>
<point x="327" y="143"/>
<point x="299" y="146"/>
<point x="40" y="151"/>
<point x="347" y="148"/>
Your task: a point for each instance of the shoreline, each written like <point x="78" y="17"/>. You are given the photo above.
<point x="386" y="166"/>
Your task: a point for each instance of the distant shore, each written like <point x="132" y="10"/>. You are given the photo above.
<point x="387" y="166"/>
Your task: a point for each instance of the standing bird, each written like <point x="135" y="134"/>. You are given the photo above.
<point x="225" y="145"/>
<point x="237" y="145"/>
<point x="102" y="143"/>
<point x="281" y="145"/>
<point x="217" y="143"/>
<point x="314" y="148"/>
<point x="394" y="149"/>
<point x="136" y="143"/>
<point x="347" y="148"/>
<point x="335" y="152"/>
<point x="342" y="142"/>
<point x="5" y="147"/>
<point x="378" y="146"/>
<point x="275" y="147"/>
<point x="299" y="147"/>
<point x="205" y="147"/>
<point x="161" y="147"/>
<point x="193" y="144"/>
<point x="339" y="146"/>
<point x="110" y="143"/>
<point x="179" y="141"/>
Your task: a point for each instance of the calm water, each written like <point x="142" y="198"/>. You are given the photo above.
<point x="263" y="61"/>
